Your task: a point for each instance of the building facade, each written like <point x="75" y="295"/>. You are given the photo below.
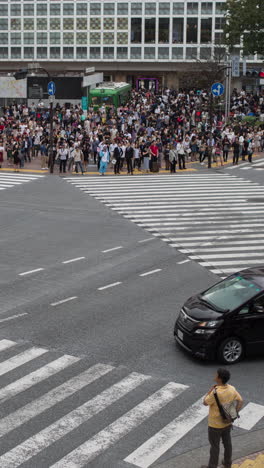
<point x="147" y="43"/>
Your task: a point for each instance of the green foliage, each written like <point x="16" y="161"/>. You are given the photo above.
<point x="245" y="20"/>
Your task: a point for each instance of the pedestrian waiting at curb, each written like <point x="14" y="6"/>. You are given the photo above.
<point x="224" y="403"/>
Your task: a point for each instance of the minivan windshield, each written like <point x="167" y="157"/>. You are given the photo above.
<point x="231" y="293"/>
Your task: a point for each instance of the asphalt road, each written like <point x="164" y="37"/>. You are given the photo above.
<point x="79" y="280"/>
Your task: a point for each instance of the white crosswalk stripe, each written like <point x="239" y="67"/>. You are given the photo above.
<point x="211" y="218"/>
<point x="116" y="385"/>
<point x="15" y="179"/>
<point x="258" y="164"/>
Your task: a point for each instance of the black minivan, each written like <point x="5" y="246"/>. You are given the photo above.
<point x="227" y="320"/>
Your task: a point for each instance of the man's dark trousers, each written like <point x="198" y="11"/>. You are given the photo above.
<point x="214" y="436"/>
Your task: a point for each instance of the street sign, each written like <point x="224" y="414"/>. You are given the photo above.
<point x="235" y="66"/>
<point x="84" y="103"/>
<point x="217" y="89"/>
<point x="51" y="88"/>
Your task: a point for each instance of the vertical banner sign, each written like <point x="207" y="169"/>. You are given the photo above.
<point x="84" y="103"/>
<point x="235" y="66"/>
<point x="244" y="67"/>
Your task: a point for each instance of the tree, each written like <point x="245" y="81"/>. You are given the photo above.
<point x="245" y="21"/>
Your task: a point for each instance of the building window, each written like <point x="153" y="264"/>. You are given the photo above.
<point x="109" y="23"/>
<point x="81" y="9"/>
<point x="191" y="53"/>
<point x="219" y="8"/>
<point x="3" y="10"/>
<point x="42" y="24"/>
<point x="81" y="24"/>
<point x="3" y="52"/>
<point x="122" y="38"/>
<point x="55" y="23"/>
<point x="192" y="30"/>
<point x="163" y="53"/>
<point x="149" y="53"/>
<point x="177" y="31"/>
<point x="135" y="53"/>
<point x="150" y="8"/>
<point x="122" y="23"/>
<point x="205" y="53"/>
<point x="192" y="8"/>
<point x="95" y="23"/>
<point x="16" y="11"/>
<point x="164" y="8"/>
<point x="206" y="8"/>
<point x="95" y="52"/>
<point x="15" y="24"/>
<point x="81" y="38"/>
<point x="55" y="38"/>
<point x="3" y="38"/>
<point x="41" y="38"/>
<point x="121" y="53"/>
<point x="109" y="38"/>
<point x="68" y="38"/>
<point x="177" y="53"/>
<point x="29" y="38"/>
<point x="3" y="24"/>
<point x="68" y="9"/>
<point x="68" y="24"/>
<point x="55" y="52"/>
<point x="15" y="52"/>
<point x="136" y="30"/>
<point x="219" y="23"/>
<point x="28" y="9"/>
<point x="15" y="38"/>
<point x="164" y="26"/>
<point x="150" y="30"/>
<point x="42" y="52"/>
<point x="136" y="8"/>
<point x="81" y="52"/>
<point x="219" y="38"/>
<point x="206" y="30"/>
<point x="55" y="9"/>
<point x="109" y="8"/>
<point x="178" y="8"/>
<point x="95" y="8"/>
<point x="95" y="38"/>
<point x="28" y="52"/>
<point x="108" y="52"/>
<point x="122" y="8"/>
<point x="42" y="9"/>
<point x="68" y="52"/>
<point x="28" y="24"/>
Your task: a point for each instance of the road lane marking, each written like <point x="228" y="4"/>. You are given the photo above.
<point x="20" y="359"/>
<point x="109" y="286"/>
<point x="250" y="415"/>
<point x="151" y="272"/>
<point x="111" y="250"/>
<point x="30" y="272"/>
<point x="5" y="344"/>
<point x="146" y="240"/>
<point x="63" y="301"/>
<point x="184" y="261"/>
<point x="73" y="260"/>
<point x="13" y="317"/>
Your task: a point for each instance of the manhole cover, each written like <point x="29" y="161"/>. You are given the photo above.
<point x="255" y="200"/>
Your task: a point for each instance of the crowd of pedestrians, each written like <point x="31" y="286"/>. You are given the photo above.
<point x="153" y="131"/>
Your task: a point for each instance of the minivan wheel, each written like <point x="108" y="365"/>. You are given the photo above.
<point x="230" y="351"/>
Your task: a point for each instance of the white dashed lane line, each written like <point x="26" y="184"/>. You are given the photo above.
<point x="146" y="240"/>
<point x="111" y="250"/>
<point x="13" y="317"/>
<point x="151" y="272"/>
<point x="73" y="260"/>
<point x="63" y="301"/>
<point x="184" y="261"/>
<point x="109" y="286"/>
<point x="31" y="271"/>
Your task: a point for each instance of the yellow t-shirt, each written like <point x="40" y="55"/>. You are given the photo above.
<point x="226" y="394"/>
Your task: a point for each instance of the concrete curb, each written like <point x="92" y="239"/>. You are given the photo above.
<point x="243" y="446"/>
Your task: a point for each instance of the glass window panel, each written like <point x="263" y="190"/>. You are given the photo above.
<point x="68" y="52"/>
<point x="136" y="8"/>
<point x="219" y="23"/>
<point x="55" y="23"/>
<point x="15" y="24"/>
<point x="68" y="9"/>
<point x="42" y="9"/>
<point x="191" y="53"/>
<point x="29" y="38"/>
<point x="28" y="24"/>
<point x="121" y="52"/>
<point x="109" y="38"/>
<point x="55" y="38"/>
<point x="164" y="8"/>
<point x="192" y="8"/>
<point x="192" y="30"/>
<point x="95" y="23"/>
<point x="15" y="38"/>
<point x="55" y="52"/>
<point x="109" y="23"/>
<point x="95" y="8"/>
<point x="177" y="53"/>
<point x="95" y="52"/>
<point x="122" y="8"/>
<point x="149" y="52"/>
<point x="122" y="23"/>
<point x="150" y="8"/>
<point x="108" y="52"/>
<point x="28" y="9"/>
<point x="219" y="37"/>
<point x="135" y="52"/>
<point x="164" y="26"/>
<point x="3" y="24"/>
<point x="219" y="8"/>
<point x="15" y="52"/>
<point x="3" y="52"/>
<point x="41" y="38"/>
<point x="81" y="24"/>
<point x="206" y="8"/>
<point x="178" y="8"/>
<point x="68" y="23"/>
<point x="81" y="38"/>
<point x="28" y="52"/>
<point x="55" y="9"/>
<point x="68" y="38"/>
<point x="150" y="30"/>
<point x="95" y="38"/>
<point x="42" y="24"/>
<point x="81" y="9"/>
<point x="42" y="52"/>
<point x="15" y="10"/>
<point x="177" y="31"/>
<point x="205" y="53"/>
<point x="81" y="52"/>
<point x="136" y="30"/>
<point x="163" y="52"/>
<point x="3" y="10"/>
<point x="3" y="38"/>
<point x="122" y="38"/>
<point x="206" y="30"/>
<point x="109" y="8"/>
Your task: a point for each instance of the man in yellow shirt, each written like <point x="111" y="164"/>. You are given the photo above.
<point x="218" y="428"/>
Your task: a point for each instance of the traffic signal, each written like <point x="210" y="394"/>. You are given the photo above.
<point x="261" y="74"/>
<point x="21" y="74"/>
<point x="252" y="73"/>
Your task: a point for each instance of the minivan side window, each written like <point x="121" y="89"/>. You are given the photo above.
<point x="248" y="308"/>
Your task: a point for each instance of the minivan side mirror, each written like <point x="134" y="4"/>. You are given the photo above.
<point x="259" y="309"/>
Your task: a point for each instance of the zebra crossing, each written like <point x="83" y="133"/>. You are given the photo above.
<point x="15" y="179"/>
<point x="211" y="218"/>
<point x="258" y="165"/>
<point x="71" y="393"/>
